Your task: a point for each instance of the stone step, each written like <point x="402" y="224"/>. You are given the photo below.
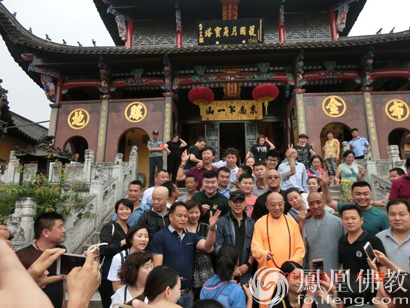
<point x="95" y="237"/>
<point x="335" y="192"/>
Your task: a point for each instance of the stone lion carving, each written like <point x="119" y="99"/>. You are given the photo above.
<point x="15" y="228"/>
<point x="134" y="150"/>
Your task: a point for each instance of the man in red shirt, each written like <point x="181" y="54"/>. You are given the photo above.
<point x="208" y="155"/>
<point x="400" y="188"/>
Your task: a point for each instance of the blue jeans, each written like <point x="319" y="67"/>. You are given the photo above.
<point x="154" y="162"/>
<point x="186" y="300"/>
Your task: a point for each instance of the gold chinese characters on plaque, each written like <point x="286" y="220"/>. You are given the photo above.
<point x="334" y="106"/>
<point x="397" y="110"/>
<point x="78" y="118"/>
<point x="135" y="112"/>
<point x="232" y="110"/>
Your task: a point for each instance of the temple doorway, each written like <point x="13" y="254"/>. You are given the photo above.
<point x="138" y="137"/>
<point x="401" y="138"/>
<point x="232" y="135"/>
<point x="340" y="131"/>
<point x="78" y="145"/>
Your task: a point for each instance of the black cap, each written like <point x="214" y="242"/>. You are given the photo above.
<point x="237" y="194"/>
<point x="155" y="132"/>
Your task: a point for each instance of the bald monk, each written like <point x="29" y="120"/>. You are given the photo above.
<point x="321" y="234"/>
<point x="276" y="237"/>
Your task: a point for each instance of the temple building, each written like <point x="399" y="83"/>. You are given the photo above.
<point x="16" y="132"/>
<point x="170" y="53"/>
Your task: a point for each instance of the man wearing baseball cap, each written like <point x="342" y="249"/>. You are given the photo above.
<point x="236" y="228"/>
<point x="155" y="148"/>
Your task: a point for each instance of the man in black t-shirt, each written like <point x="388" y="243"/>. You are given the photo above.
<point x="49" y="233"/>
<point x="194" y="153"/>
<point x="352" y="256"/>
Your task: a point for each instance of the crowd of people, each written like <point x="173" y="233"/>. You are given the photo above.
<point x="211" y="246"/>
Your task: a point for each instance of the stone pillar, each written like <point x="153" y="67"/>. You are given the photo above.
<point x="88" y="162"/>
<point x="345" y="146"/>
<point x="52" y="127"/>
<point x="20" y="223"/>
<point x="54" y="171"/>
<point x="167" y="125"/>
<point x="11" y="168"/>
<point x="102" y="131"/>
<point x="97" y="189"/>
<point x="133" y="160"/>
<point x="118" y="172"/>
<point x="371" y="125"/>
<point x="300" y="114"/>
<point x="394" y="156"/>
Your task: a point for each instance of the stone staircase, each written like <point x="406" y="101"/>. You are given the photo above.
<point x="95" y="301"/>
<point x="335" y="192"/>
<point x="94" y="238"/>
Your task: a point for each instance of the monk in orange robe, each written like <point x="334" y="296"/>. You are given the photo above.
<point x="276" y="239"/>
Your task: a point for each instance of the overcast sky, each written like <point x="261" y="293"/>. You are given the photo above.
<point x="78" y="20"/>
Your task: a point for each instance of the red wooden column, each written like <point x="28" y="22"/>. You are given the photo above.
<point x="281" y="22"/>
<point x="230" y="9"/>
<point x="282" y="34"/>
<point x="178" y="26"/>
<point x="332" y="23"/>
<point x="52" y="127"/>
<point x="59" y="92"/>
<point x="130" y="33"/>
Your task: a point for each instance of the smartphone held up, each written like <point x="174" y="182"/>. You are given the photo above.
<point x="67" y="262"/>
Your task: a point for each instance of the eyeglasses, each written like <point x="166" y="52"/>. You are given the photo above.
<point x="275" y="177"/>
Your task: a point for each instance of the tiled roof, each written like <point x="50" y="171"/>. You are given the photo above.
<point x="9" y="26"/>
<point x="27" y="127"/>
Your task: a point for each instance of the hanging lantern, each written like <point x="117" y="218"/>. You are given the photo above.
<point x="265" y="93"/>
<point x="201" y="96"/>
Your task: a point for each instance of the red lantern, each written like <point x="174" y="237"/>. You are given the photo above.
<point x="265" y="93"/>
<point x="201" y="95"/>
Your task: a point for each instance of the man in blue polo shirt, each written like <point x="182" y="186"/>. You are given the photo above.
<point x="358" y="144"/>
<point x="375" y="220"/>
<point x="175" y="247"/>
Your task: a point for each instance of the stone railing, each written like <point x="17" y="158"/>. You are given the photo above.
<point x="20" y="223"/>
<point x="380" y="186"/>
<point x="3" y="171"/>
<point x="101" y="184"/>
<point x="11" y="173"/>
<point x="378" y="172"/>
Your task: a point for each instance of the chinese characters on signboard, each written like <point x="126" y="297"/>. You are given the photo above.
<point x="397" y="110"/>
<point x="231" y="110"/>
<point x="239" y="31"/>
<point x="78" y="118"/>
<point x="334" y="106"/>
<point x="370" y="119"/>
<point x="135" y="112"/>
